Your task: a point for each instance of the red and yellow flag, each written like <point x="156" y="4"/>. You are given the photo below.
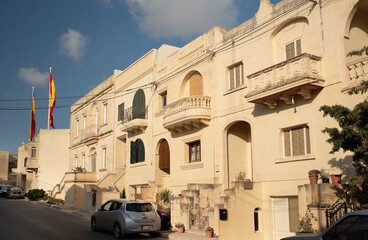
<point x="52" y="101"/>
<point x="33" y="119"/>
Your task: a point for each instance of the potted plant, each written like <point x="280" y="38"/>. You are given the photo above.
<point x="313" y="176"/>
<point x="336" y="178"/>
<point x="180" y="226"/>
<point x="240" y="177"/>
<point x="325" y="176"/>
<point x="306" y="222"/>
<point x="209" y="232"/>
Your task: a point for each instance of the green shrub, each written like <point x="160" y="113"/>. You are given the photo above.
<point x="36" y="194"/>
<point x="55" y="201"/>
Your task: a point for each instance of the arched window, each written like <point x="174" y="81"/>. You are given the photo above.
<point x="137" y="153"/>
<point x="164" y="157"/>
<point x="139" y="102"/>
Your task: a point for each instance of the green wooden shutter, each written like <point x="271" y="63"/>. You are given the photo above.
<point x="132" y="153"/>
<point x="139" y="102"/>
<point x="121" y="112"/>
<point x="140" y="150"/>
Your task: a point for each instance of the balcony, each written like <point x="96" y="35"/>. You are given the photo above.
<point x="134" y="124"/>
<point x="187" y="113"/>
<point x="32" y="164"/>
<point x="297" y="76"/>
<point x="358" y="70"/>
<point x="89" y="135"/>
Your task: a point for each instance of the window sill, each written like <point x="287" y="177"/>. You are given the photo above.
<point x="190" y="166"/>
<point x="229" y="91"/>
<point x="296" y="158"/>
<point x="134" y="165"/>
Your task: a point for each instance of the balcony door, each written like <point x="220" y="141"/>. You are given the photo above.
<point x="139" y="102"/>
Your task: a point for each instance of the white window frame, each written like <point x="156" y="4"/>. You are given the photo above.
<point x="291" y="141"/>
<point x="241" y="75"/>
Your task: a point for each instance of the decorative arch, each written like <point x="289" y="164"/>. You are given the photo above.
<point x="238" y="145"/>
<point x="139" y="105"/>
<point x="192" y="85"/>
<point x="356" y="29"/>
<point x="290" y="30"/>
<point x="361" y="5"/>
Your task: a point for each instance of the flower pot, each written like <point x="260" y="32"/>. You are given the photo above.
<point x="313" y="179"/>
<point x="336" y="179"/>
<point x="209" y="234"/>
<point x="181" y="229"/>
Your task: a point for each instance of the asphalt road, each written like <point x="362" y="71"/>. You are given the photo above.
<point x="22" y="220"/>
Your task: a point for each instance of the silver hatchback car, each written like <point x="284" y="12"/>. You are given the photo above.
<point x="122" y="217"/>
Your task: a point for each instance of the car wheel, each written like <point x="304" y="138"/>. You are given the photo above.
<point x="117" y="231"/>
<point x="94" y="227"/>
<point x="154" y="234"/>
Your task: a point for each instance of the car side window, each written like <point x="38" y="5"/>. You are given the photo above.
<point x="106" y="207"/>
<point x="351" y="228"/>
<point x="115" y="206"/>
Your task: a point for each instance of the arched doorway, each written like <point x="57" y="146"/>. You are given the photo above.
<point x="239" y="154"/>
<point x="164" y="157"/>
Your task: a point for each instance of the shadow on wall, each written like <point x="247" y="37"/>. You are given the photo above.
<point x="346" y="166"/>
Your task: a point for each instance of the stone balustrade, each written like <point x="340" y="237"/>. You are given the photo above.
<point x="358" y="70"/>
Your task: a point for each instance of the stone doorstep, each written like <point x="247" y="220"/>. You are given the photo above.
<point x="189" y="235"/>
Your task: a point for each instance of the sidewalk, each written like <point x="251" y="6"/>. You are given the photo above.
<point x="187" y="235"/>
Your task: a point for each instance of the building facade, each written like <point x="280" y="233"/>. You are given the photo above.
<point x="43" y="162"/>
<point x="244" y="100"/>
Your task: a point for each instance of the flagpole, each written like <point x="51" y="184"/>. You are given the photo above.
<point x="48" y="115"/>
<point x="31" y="112"/>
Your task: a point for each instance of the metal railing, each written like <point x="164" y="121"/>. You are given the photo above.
<point x="129" y="115"/>
<point x="342" y="206"/>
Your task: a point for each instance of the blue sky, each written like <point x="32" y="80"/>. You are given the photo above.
<point x="84" y="40"/>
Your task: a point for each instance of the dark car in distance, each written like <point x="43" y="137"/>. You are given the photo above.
<point x="165" y="219"/>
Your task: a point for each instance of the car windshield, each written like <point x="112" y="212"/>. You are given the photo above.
<point x="139" y="207"/>
<point x="15" y="189"/>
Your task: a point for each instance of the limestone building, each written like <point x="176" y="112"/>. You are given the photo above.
<point x="43" y="162"/>
<point x="246" y="100"/>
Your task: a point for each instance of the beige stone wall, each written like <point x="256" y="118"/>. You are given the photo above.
<point x="4" y="165"/>
<point x="53" y="156"/>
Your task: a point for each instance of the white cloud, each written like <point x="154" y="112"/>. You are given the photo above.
<point x="33" y="76"/>
<point x="182" y="18"/>
<point x="73" y="44"/>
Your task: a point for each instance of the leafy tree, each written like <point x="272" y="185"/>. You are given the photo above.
<point x="352" y="135"/>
